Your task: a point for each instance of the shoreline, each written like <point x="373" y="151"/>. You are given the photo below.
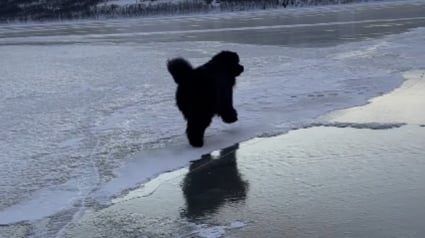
<point x="212" y="14"/>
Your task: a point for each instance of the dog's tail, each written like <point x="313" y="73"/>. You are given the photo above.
<point x="180" y="69"/>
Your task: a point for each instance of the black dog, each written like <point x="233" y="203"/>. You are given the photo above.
<point x="205" y="91"/>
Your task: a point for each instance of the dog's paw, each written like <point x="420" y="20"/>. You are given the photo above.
<point x="230" y="120"/>
<point x="230" y="117"/>
<point x="196" y="143"/>
<point x="195" y="137"/>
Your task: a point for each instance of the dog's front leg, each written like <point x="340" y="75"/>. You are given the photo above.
<point x="226" y="110"/>
<point x="229" y="116"/>
<point x="196" y="129"/>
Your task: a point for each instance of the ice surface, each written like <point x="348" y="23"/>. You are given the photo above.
<point x="354" y="182"/>
<point x="273" y="97"/>
<point x="84" y="118"/>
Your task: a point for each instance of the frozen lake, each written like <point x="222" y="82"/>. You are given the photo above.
<point x="87" y="108"/>
<point x="313" y="182"/>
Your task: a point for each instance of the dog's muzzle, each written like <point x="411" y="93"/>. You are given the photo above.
<point x="240" y="69"/>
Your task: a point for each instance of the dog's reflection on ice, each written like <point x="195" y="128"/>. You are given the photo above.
<point x="212" y="182"/>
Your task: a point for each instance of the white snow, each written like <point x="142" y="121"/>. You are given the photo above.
<point x="404" y="105"/>
<point x="44" y="202"/>
<point x="143" y="2"/>
<point x="90" y="120"/>
<point x="120" y="2"/>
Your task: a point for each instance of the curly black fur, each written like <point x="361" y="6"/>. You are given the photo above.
<point x="205" y="91"/>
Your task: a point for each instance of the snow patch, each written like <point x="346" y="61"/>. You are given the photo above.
<point x="371" y="125"/>
<point x="43" y="203"/>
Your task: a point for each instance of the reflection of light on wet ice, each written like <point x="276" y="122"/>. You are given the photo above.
<point x="404" y="105"/>
<point x="363" y="53"/>
<point x="206" y="231"/>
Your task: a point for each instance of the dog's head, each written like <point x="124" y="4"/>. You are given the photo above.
<point x="229" y="61"/>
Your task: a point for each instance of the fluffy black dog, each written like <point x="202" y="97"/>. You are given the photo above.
<point x="205" y="91"/>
